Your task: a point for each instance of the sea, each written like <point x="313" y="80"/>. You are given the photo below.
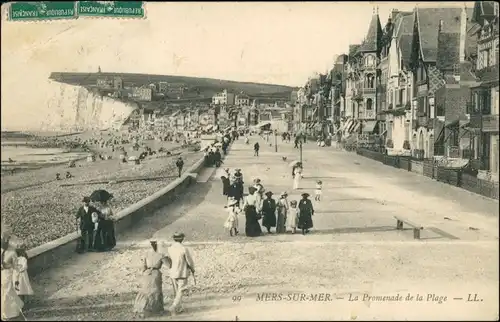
<point x="26" y="156"/>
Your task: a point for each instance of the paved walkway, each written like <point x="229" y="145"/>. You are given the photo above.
<point x="353" y="250"/>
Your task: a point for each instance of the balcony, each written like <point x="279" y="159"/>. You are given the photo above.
<point x="368" y="115"/>
<point x="488" y="74"/>
<point x="489" y="123"/>
<point x="369" y="90"/>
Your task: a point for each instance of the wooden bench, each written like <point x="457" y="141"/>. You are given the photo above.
<point x="416" y="228"/>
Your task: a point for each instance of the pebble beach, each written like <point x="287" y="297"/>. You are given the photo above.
<point x="37" y="208"/>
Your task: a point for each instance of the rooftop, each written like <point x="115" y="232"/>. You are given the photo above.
<point x="373" y="38"/>
<point x="482" y="9"/>
<point x="429" y="20"/>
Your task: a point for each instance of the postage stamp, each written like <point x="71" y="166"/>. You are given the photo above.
<point x="117" y="9"/>
<point x="42" y="10"/>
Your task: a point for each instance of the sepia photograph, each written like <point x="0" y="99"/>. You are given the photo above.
<point x="250" y="161"/>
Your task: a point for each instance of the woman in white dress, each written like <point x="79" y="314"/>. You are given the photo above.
<point x="11" y="303"/>
<point x="232" y="223"/>
<point x="293" y="216"/>
<point x="21" y="279"/>
<point x="297" y="175"/>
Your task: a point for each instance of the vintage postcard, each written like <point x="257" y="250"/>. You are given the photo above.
<point x="243" y="161"/>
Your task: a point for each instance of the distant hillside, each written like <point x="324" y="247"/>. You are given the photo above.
<point x="204" y="87"/>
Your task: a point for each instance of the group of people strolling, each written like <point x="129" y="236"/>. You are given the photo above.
<point x="96" y="224"/>
<point x="178" y="260"/>
<point x="259" y="205"/>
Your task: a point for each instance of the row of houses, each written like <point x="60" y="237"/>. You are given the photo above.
<point x="426" y="83"/>
<point x="113" y="86"/>
<point x="275" y="116"/>
<point x="227" y="98"/>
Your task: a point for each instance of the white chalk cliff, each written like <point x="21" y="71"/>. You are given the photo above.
<point x="74" y="108"/>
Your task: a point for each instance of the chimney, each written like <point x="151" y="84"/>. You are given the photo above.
<point x="463" y="34"/>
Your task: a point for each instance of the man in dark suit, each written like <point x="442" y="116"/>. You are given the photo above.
<point x="179" y="164"/>
<point x="86" y="226"/>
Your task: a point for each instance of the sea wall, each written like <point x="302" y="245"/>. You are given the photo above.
<point x="53" y="253"/>
<point x="74" y="108"/>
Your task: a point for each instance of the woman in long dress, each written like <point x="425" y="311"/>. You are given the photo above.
<point x="293" y="216"/>
<point x="306" y="211"/>
<point x="252" y="208"/>
<point x="282" y="212"/>
<point x="297" y="175"/>
<point x="11" y="303"/>
<point x="269" y="212"/>
<point x="149" y="300"/>
<point x="108" y="225"/>
<point x="23" y="286"/>
<point x="225" y="185"/>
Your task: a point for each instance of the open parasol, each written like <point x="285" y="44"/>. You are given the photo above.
<point x="293" y="163"/>
<point x="101" y="195"/>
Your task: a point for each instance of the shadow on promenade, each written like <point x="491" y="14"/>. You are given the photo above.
<point x="119" y="306"/>
<point x="350" y="230"/>
<point x="80" y="266"/>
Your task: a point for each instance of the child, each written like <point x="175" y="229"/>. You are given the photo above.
<point x="293" y="217"/>
<point x="21" y="279"/>
<point x="317" y="192"/>
<point x="231" y="223"/>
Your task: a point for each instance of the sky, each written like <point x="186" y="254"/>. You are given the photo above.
<point x="276" y="42"/>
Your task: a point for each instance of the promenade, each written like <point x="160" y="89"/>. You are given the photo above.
<point x="354" y="249"/>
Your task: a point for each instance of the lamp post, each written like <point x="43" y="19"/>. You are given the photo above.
<point x="300" y="149"/>
<point x="275" y="140"/>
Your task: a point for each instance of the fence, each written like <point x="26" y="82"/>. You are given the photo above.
<point x="452" y="176"/>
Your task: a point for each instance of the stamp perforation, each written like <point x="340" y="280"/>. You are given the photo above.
<point x="34" y="12"/>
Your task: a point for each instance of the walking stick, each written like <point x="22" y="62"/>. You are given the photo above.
<point x="24" y="317"/>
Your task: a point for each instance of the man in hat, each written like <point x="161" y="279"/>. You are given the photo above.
<point x="182" y="267"/>
<point x="256" y="148"/>
<point x="179" y="164"/>
<point x="86" y="226"/>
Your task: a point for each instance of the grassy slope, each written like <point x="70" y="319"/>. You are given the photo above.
<point x="205" y="85"/>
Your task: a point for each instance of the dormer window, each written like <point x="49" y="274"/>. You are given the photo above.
<point x="369" y="61"/>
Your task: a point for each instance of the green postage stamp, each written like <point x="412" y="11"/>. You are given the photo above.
<point x="119" y="9"/>
<point x="42" y="10"/>
<point x="48" y="10"/>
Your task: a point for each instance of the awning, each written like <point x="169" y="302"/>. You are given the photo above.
<point x="262" y="124"/>
<point x="464" y="123"/>
<point x="452" y="123"/>
<point x="439" y="129"/>
<point x="351" y="126"/>
<point x="311" y="125"/>
<point x="356" y="127"/>
<point x="369" y="126"/>
<point x="347" y="124"/>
